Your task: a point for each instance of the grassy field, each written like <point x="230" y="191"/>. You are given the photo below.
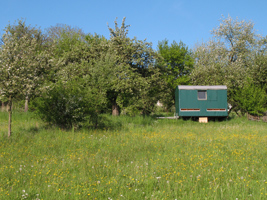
<point x="139" y="158"/>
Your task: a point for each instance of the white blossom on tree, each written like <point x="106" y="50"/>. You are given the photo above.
<point x="227" y="57"/>
<point x="23" y="64"/>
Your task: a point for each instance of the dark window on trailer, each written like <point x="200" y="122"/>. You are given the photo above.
<point x="202" y="95"/>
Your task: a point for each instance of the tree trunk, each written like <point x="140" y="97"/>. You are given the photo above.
<point x="26" y="104"/>
<point x="3" y="106"/>
<point x="9" y="115"/>
<point x="115" y="109"/>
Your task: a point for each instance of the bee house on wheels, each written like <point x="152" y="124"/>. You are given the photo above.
<point x="201" y="101"/>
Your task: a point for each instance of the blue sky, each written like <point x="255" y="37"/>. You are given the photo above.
<point x="189" y="21"/>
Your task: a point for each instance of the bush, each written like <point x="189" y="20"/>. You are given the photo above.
<point x="69" y="105"/>
<point x="252" y="99"/>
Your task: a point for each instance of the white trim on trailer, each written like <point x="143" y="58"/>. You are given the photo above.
<point x="201" y="87"/>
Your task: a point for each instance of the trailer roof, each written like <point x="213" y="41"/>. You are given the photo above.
<point x="202" y="87"/>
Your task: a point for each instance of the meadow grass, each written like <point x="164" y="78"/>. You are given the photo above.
<point x="143" y="158"/>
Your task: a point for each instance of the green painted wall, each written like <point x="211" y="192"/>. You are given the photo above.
<point x="188" y="99"/>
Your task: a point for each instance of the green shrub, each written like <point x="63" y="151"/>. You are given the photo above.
<point x="70" y="104"/>
<point x="252" y="99"/>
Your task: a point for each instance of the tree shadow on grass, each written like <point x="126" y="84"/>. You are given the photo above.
<point x="210" y="119"/>
<point x="33" y="130"/>
<point x="103" y="123"/>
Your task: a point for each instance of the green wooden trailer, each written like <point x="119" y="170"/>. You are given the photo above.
<point x="201" y="101"/>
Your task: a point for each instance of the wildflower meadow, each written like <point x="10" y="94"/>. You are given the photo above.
<point x="139" y="158"/>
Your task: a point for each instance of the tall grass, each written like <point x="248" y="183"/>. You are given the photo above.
<point x="144" y="158"/>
